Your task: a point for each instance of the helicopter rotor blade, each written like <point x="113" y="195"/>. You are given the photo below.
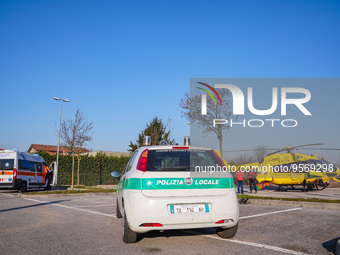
<point x="276" y="150"/>
<point x="288" y="149"/>
<point x="251" y="150"/>
<point x="322" y="149"/>
<point x="292" y="148"/>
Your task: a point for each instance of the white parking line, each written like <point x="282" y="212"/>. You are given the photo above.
<point x="92" y="198"/>
<point x="264" y="246"/>
<point x="268" y="213"/>
<point x="77" y="206"/>
<point x="73" y="208"/>
<point x="8" y="195"/>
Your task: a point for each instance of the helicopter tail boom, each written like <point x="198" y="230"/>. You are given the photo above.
<point x="335" y="179"/>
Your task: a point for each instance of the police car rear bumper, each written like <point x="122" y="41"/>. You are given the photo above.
<point x="141" y="209"/>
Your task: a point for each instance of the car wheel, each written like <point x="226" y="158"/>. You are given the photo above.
<point x="48" y="186"/>
<point x="129" y="235"/>
<point x="227" y="233"/>
<point x="118" y="213"/>
<point x="23" y="187"/>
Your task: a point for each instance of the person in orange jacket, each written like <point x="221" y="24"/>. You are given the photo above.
<point x="45" y="172"/>
<point x="240" y="177"/>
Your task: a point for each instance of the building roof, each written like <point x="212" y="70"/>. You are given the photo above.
<point x="52" y="149"/>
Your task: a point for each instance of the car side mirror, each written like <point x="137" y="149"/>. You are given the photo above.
<point x="115" y="174"/>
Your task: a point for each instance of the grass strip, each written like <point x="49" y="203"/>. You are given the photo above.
<point x="92" y="190"/>
<point x="291" y="199"/>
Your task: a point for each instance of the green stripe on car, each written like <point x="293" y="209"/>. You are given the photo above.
<point x="176" y="183"/>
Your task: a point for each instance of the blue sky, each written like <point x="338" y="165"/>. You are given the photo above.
<point x="124" y="62"/>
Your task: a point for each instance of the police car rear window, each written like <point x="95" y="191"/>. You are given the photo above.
<point x="179" y="160"/>
<point x="6" y="164"/>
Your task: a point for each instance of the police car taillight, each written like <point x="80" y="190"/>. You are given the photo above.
<point x="143" y="161"/>
<point x="14" y="173"/>
<point x="151" y="225"/>
<point x="225" y="221"/>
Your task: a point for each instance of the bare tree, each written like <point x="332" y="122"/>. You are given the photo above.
<point x="244" y="159"/>
<point x="75" y="133"/>
<point x="260" y="152"/>
<point x="191" y="106"/>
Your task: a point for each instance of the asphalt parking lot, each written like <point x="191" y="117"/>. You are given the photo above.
<point x="87" y="225"/>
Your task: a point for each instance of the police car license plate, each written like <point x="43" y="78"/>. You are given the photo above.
<point x="194" y="208"/>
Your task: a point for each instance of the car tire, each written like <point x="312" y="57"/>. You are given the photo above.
<point x="118" y="213"/>
<point x="227" y="233"/>
<point x="129" y="235"/>
<point x="23" y="187"/>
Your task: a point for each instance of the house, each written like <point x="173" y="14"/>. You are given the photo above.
<point x="52" y="149"/>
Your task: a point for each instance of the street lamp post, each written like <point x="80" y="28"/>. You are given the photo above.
<point x="55" y="175"/>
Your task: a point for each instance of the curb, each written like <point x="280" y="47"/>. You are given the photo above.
<point x="317" y="205"/>
<point x="337" y="247"/>
<point x="68" y="195"/>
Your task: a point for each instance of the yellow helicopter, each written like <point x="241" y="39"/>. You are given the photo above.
<point x="290" y="169"/>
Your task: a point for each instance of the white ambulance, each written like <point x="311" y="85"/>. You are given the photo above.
<point x="19" y="170"/>
<point x="158" y="191"/>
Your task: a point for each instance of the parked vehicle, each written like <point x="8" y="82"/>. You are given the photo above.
<point x="156" y="191"/>
<point x="19" y="170"/>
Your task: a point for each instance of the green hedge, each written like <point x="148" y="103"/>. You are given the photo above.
<point x="94" y="170"/>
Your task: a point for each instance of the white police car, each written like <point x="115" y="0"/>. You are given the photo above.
<point x="159" y="190"/>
